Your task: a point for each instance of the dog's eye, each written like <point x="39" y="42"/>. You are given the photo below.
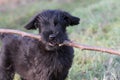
<point x="55" y="22"/>
<point x="65" y="19"/>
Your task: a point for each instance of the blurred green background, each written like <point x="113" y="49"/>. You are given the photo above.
<point x="100" y="26"/>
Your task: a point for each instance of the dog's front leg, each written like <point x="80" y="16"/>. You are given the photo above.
<point x="3" y="75"/>
<point x="6" y="70"/>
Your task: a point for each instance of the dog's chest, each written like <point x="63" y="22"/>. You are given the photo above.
<point x="50" y="62"/>
<point x="47" y="64"/>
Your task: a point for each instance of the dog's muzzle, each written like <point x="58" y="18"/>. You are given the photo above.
<point x="53" y="39"/>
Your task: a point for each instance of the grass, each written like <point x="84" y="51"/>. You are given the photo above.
<point x="100" y="26"/>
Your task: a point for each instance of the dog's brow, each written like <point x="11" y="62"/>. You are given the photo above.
<point x="43" y="18"/>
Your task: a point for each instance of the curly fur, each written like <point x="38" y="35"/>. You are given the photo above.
<point x="34" y="60"/>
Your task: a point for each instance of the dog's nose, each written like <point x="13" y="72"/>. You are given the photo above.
<point x="52" y="37"/>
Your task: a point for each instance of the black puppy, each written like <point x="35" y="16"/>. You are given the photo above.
<point x="35" y="60"/>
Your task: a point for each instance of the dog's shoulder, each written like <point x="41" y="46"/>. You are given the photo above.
<point x="8" y="38"/>
<point x="13" y="40"/>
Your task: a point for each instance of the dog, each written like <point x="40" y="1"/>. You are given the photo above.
<point x="39" y="60"/>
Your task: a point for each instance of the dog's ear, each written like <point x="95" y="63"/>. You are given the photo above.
<point x="71" y="20"/>
<point x="32" y="24"/>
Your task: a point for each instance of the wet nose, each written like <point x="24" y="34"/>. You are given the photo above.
<point x="52" y="37"/>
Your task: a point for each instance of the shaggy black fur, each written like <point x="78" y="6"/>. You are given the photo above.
<point x="34" y="60"/>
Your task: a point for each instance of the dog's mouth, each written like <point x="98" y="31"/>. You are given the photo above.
<point x="53" y="44"/>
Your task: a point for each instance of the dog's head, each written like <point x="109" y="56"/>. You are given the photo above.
<point x="52" y="26"/>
